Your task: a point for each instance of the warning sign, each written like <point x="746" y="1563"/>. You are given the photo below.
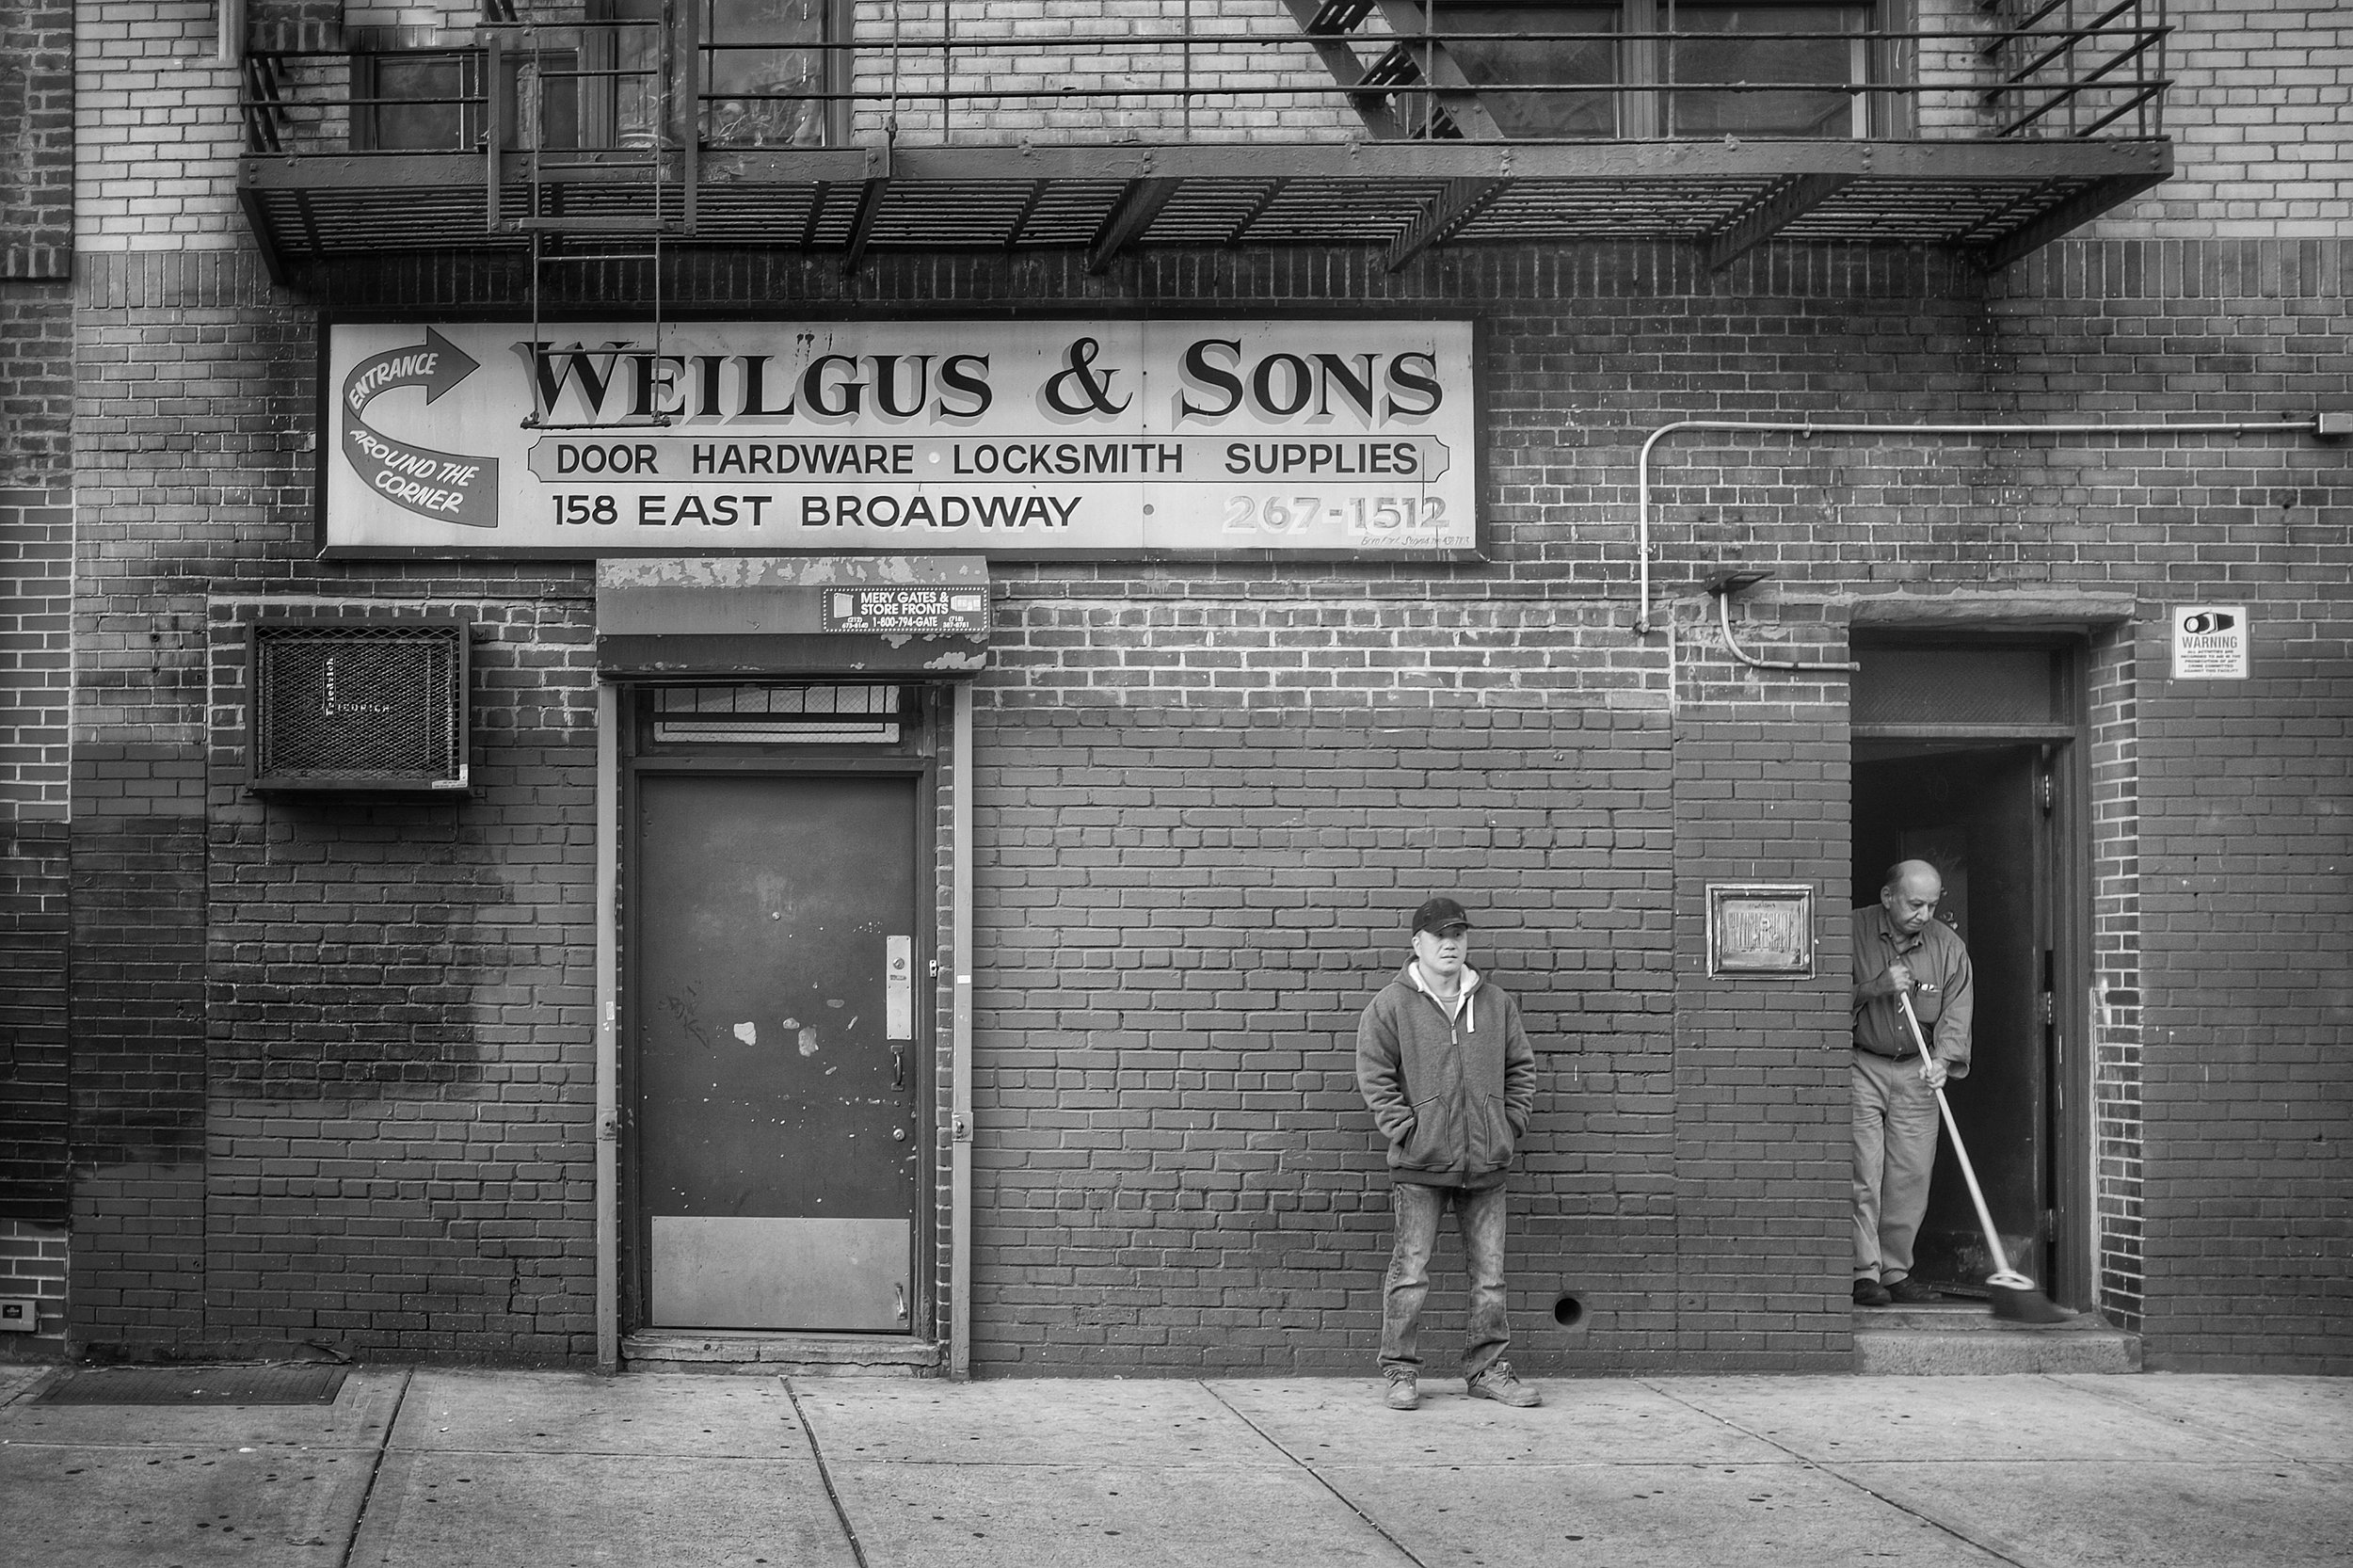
<point x="905" y="609"/>
<point x="2210" y="641"/>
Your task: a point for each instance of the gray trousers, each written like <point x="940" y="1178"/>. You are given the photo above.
<point x="1895" y="1154"/>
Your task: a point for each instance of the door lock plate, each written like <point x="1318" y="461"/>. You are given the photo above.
<point x="898" y="987"/>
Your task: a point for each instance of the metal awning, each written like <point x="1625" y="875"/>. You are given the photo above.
<point x="806" y="617"/>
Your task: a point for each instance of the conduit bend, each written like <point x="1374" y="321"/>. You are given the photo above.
<point x="1815" y="428"/>
<point x="1723" y="618"/>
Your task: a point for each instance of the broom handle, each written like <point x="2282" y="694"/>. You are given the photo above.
<point x="1977" y="1195"/>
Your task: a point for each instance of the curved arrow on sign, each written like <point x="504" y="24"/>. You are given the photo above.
<point x="445" y="485"/>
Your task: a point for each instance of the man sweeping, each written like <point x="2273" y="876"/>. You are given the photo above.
<point x="1446" y="1068"/>
<point x="1901" y="949"/>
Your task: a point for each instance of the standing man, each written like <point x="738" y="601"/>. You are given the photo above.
<point x="1901" y="947"/>
<point x="1447" y="1072"/>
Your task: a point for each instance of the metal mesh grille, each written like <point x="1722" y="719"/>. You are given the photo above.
<point x="1955" y="686"/>
<point x="359" y="705"/>
<point x="795" y="714"/>
<point x="813" y="702"/>
<point x="187" y="1386"/>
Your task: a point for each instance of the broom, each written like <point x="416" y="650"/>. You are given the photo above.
<point x="2013" y="1294"/>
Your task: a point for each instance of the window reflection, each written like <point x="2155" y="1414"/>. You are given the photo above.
<point x="1569" y="69"/>
<point x="765" y="72"/>
<point x="1753" y="46"/>
<point x="1554" y="65"/>
<point x="433" y="101"/>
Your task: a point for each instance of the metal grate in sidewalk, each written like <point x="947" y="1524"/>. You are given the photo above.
<point x="196" y="1385"/>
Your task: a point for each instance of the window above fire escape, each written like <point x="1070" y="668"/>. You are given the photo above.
<point x="1987" y="126"/>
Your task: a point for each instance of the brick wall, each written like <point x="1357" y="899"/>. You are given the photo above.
<point x="2248" y="1097"/>
<point x="1762" y="1150"/>
<point x="274" y="1140"/>
<point x="33" y="1267"/>
<point x="36" y="139"/>
<point x="157" y="129"/>
<point x="1204" y="800"/>
<point x="2225" y="1019"/>
<point x="332" y="1079"/>
<point x="2263" y="146"/>
<point x="2116" y="975"/>
<point x="35" y="592"/>
<point x="1202" y="822"/>
<point x="399" y="1017"/>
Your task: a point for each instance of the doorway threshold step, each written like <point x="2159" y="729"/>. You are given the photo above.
<point x="1965" y="1338"/>
<point x="760" y="1354"/>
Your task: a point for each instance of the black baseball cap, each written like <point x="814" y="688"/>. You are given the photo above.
<point x="1439" y="915"/>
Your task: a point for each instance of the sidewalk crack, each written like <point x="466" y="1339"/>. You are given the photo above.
<point x="375" y="1468"/>
<point x="1844" y="1479"/>
<point x="824" y="1474"/>
<point x="1374" y="1525"/>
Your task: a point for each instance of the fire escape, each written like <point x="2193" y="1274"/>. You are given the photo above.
<point x="564" y="134"/>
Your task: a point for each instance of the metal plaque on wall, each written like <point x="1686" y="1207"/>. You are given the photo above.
<point x="1760" y="929"/>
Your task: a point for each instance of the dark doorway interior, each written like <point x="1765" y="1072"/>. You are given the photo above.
<point x="1976" y="812"/>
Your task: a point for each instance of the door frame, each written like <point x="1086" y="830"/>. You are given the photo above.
<point x="2066" y="884"/>
<point x="622" y="1241"/>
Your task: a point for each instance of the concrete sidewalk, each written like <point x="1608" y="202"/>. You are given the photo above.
<point x="420" y="1468"/>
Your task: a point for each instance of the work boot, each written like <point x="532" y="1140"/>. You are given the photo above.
<point x="1404" y="1391"/>
<point x="1911" y="1292"/>
<point x="1870" y="1292"/>
<point x="1496" y="1381"/>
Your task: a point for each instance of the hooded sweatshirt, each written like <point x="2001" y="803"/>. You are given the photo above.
<point x="1452" y="1095"/>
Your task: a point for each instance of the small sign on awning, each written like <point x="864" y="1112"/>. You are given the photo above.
<point x="906" y="609"/>
<point x="2210" y="641"/>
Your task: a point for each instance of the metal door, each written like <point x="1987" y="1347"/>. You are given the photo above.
<point x="1976" y="815"/>
<point x="775" y="1015"/>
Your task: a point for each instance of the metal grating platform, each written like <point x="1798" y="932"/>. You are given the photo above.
<point x="308" y="1383"/>
<point x="1995" y="201"/>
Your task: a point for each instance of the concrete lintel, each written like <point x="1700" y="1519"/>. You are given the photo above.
<point x="2030" y="608"/>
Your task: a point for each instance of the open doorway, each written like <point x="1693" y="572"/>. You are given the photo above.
<point x="1965" y="757"/>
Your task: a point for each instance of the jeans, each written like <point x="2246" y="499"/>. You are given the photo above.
<point x="1895" y="1154"/>
<point x="1480" y="1215"/>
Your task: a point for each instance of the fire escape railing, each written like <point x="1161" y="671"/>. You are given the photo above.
<point x="1346" y="70"/>
<point x="1426" y="121"/>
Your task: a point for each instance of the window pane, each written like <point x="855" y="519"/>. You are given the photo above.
<point x="763" y="70"/>
<point x="1748" y="51"/>
<point x="543" y="90"/>
<point x="1561" y="48"/>
<point x="418" y="103"/>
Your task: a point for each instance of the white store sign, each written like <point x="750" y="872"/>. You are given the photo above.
<point x="2210" y="641"/>
<point x="1018" y="440"/>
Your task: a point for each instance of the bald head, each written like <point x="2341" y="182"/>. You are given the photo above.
<point x="1910" y="894"/>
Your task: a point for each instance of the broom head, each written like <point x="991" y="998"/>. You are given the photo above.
<point x="2015" y="1298"/>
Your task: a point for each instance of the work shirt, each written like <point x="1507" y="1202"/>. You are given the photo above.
<point x="1943" y="991"/>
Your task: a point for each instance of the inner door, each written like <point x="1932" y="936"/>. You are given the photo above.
<point x="774" y="1001"/>
<point x="1976" y="814"/>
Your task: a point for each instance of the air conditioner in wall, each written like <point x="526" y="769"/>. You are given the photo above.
<point x="348" y="705"/>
